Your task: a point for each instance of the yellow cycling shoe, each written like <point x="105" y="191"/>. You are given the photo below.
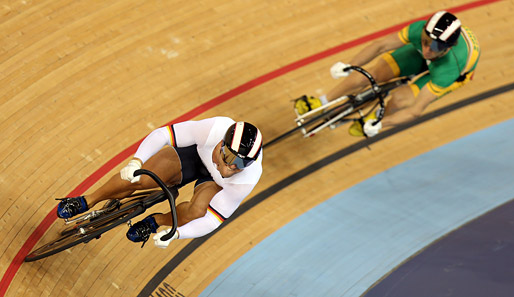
<point x="306" y="103"/>
<point x="356" y="128"/>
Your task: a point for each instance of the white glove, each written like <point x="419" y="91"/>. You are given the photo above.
<point x="127" y="173"/>
<point x="369" y="129"/>
<point x="163" y="244"/>
<point x="337" y="70"/>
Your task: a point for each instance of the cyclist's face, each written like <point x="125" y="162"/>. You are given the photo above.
<point x="219" y="158"/>
<point x="428" y="52"/>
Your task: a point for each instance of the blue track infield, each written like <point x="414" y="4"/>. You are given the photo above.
<point x="476" y="260"/>
<point x="348" y="243"/>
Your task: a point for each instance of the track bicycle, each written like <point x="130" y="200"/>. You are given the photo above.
<point x="115" y="212"/>
<point x="345" y="108"/>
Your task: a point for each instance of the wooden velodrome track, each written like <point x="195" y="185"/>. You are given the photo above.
<point x="83" y="81"/>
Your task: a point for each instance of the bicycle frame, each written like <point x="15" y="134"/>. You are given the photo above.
<point x="370" y="94"/>
<point x="329" y="123"/>
<point x="94" y="224"/>
<point x="335" y="113"/>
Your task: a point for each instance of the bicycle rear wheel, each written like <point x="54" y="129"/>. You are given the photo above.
<point x="85" y="232"/>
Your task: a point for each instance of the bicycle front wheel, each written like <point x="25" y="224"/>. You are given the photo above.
<point x="85" y="232"/>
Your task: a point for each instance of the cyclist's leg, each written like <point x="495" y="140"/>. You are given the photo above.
<point x="165" y="163"/>
<point x="405" y="96"/>
<point x="195" y="208"/>
<point x="405" y="61"/>
<point x="401" y="98"/>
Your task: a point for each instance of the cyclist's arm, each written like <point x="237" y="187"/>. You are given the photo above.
<point x="178" y="135"/>
<point x="424" y="98"/>
<point x="156" y="140"/>
<point x="221" y="207"/>
<point x="377" y="48"/>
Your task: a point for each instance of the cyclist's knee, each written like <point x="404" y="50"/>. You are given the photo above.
<point x="382" y="71"/>
<point x="357" y="79"/>
<point x="401" y="98"/>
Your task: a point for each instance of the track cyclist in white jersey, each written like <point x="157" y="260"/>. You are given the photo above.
<point x="223" y="157"/>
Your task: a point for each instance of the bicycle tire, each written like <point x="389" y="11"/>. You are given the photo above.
<point x="92" y="230"/>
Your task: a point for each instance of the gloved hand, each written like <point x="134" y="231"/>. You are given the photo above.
<point x="127" y="172"/>
<point x="337" y="70"/>
<point x="164" y="244"/>
<point x="371" y="130"/>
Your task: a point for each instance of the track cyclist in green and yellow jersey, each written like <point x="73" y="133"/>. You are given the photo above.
<point x="440" y="53"/>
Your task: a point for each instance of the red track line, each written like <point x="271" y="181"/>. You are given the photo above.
<point x="91" y="180"/>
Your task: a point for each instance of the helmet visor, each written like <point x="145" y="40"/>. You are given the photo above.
<point x="434" y="44"/>
<point x="438" y="46"/>
<point x="230" y="158"/>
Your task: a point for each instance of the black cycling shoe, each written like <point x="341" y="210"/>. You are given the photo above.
<point x="141" y="231"/>
<point x="70" y="207"/>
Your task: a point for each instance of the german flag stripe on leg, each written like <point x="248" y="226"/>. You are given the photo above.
<point x="218" y="216"/>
